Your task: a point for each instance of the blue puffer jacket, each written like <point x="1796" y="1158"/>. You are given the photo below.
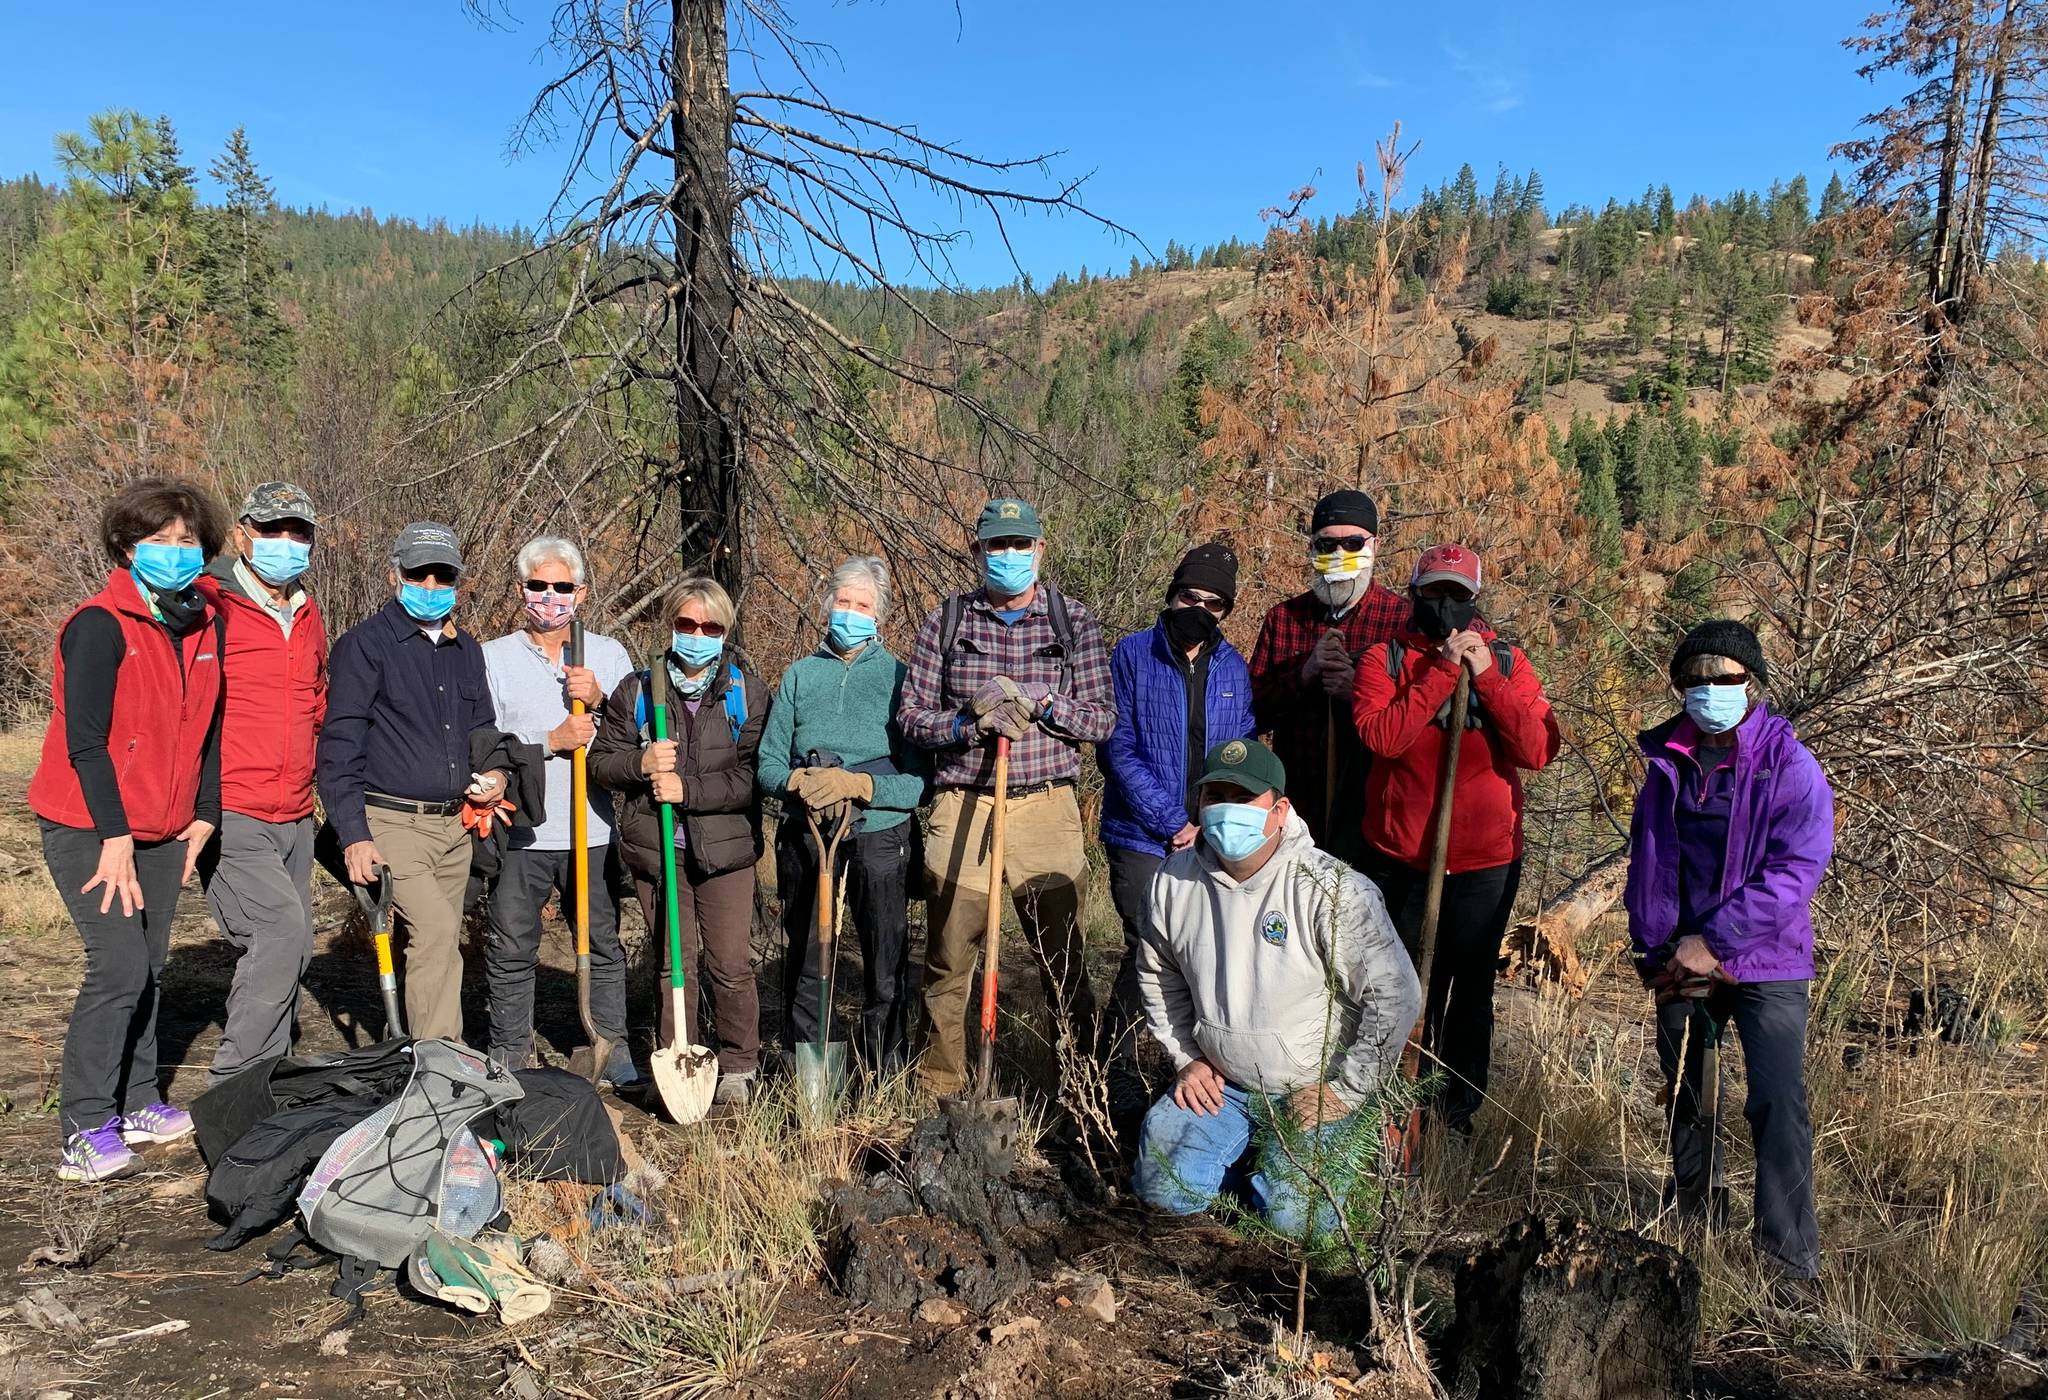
<point x="1145" y="761"/>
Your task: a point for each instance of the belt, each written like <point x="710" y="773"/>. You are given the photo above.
<point x="418" y="809"/>
<point x="1015" y="791"/>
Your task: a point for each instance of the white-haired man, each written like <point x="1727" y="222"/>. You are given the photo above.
<point x="531" y="687"/>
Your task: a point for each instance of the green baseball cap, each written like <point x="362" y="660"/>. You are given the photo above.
<point x="1244" y="763"/>
<point x="1007" y="517"/>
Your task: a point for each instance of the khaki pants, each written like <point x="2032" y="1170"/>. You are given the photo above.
<point x="429" y="860"/>
<point x="1044" y="866"/>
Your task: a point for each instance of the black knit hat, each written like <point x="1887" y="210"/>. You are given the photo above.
<point x="1209" y="567"/>
<point x="1346" y="508"/>
<point x="1722" y="637"/>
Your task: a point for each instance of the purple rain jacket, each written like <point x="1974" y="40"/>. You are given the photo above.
<point x="1781" y="834"/>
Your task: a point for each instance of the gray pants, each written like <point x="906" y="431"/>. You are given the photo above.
<point x="258" y="878"/>
<point x="110" y="1045"/>
<point x="1771" y="1019"/>
<point x="512" y="957"/>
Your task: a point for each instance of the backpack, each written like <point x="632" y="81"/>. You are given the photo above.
<point x="252" y="1185"/>
<point x="365" y="1078"/>
<point x="955" y="610"/>
<point x="1475" y="714"/>
<point x="735" y="701"/>
<point x="558" y="1131"/>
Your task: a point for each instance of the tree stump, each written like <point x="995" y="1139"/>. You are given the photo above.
<point x="1562" y="1309"/>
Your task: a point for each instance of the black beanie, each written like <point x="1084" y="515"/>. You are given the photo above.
<point x="1722" y="637"/>
<point x="1209" y="567"/>
<point x="1346" y="508"/>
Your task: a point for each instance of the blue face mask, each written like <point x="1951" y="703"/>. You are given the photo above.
<point x="851" y="629"/>
<point x="695" y="649"/>
<point x="169" y="568"/>
<point x="279" y="561"/>
<point x="1716" y="709"/>
<point x="1234" y="830"/>
<point x="424" y="604"/>
<point x="1009" y="572"/>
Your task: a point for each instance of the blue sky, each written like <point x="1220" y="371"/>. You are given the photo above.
<point x="1192" y="116"/>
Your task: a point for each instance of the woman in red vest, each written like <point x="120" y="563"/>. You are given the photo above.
<point x="128" y="792"/>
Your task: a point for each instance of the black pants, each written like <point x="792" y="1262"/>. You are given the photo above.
<point x="1130" y="890"/>
<point x="873" y="867"/>
<point x="1771" y="1019"/>
<point x="1457" y="1017"/>
<point x="525" y="881"/>
<point x="110" y="1045"/>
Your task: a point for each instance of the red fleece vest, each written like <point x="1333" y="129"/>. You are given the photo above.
<point x="164" y="698"/>
<point x="277" y="699"/>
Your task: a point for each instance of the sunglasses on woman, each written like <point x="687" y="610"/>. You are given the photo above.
<point x="534" y="585"/>
<point x="1188" y="598"/>
<point x="1739" y="679"/>
<point x="690" y="627"/>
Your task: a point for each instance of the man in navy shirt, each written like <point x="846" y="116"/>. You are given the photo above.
<point x="406" y="688"/>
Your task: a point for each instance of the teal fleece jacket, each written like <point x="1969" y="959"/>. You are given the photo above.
<point x="847" y="706"/>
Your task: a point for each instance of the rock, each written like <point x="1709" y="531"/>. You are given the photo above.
<point x="524" y="1384"/>
<point x="1095" y="1298"/>
<point x="1562" y="1309"/>
<point x="897" y="1264"/>
<point x="941" y="1312"/>
<point x="1002" y="1333"/>
<point x="335" y="1343"/>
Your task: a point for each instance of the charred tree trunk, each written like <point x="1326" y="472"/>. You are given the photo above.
<point x="704" y="300"/>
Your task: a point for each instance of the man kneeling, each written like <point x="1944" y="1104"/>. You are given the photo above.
<point x="1276" y="982"/>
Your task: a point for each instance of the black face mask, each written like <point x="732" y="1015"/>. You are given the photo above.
<point x="180" y="611"/>
<point x="1190" y="627"/>
<point x="1437" y="618"/>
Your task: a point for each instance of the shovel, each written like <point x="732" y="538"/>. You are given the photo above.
<point x="1710" y="1201"/>
<point x="579" y="841"/>
<point x="686" y="1075"/>
<point x="976" y="1106"/>
<point x="1408" y="1139"/>
<point x="376" y="902"/>
<point x="821" y="1067"/>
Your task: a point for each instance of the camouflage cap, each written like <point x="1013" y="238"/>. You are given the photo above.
<point x="277" y="500"/>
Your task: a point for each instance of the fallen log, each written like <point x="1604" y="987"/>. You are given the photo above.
<point x="1546" y="948"/>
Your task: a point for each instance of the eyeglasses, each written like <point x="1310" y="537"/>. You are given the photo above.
<point x="1010" y="544"/>
<point x="1741" y="678"/>
<point x="297" y="530"/>
<point x="534" y="585"/>
<point x="1189" y="598"/>
<point x="1349" y="544"/>
<point x="690" y="627"/>
<point x="430" y="573"/>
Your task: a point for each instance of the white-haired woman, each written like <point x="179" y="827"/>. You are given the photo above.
<point x="531" y="687"/>
<point x="832" y="745"/>
<point x="705" y="767"/>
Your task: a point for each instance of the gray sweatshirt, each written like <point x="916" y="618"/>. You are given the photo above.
<point x="1294" y="976"/>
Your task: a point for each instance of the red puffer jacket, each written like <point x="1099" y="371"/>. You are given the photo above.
<point x="1397" y="719"/>
<point x="276" y="701"/>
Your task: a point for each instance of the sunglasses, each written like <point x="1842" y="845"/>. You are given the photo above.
<point x="1011" y="544"/>
<point x="690" y="627"/>
<point x="296" y="530"/>
<point x="431" y="573"/>
<point x="1188" y="598"/>
<point x="534" y="585"/>
<point x="1691" y="681"/>
<point x="1349" y="544"/>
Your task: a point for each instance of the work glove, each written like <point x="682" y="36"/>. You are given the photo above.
<point x="479" y="820"/>
<point x="1011" y="720"/>
<point x="997" y="693"/>
<point x="819" y="788"/>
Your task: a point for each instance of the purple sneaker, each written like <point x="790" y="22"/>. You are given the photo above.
<point x="157" y="1123"/>
<point x="99" y="1155"/>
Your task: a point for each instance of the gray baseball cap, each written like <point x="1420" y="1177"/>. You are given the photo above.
<point x="423" y="542"/>
<point x="277" y="500"/>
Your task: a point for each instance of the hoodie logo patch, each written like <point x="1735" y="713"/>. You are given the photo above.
<point x="1274" y="929"/>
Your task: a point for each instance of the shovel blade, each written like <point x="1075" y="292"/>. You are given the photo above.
<point x="686" y="1076"/>
<point x="821" y="1077"/>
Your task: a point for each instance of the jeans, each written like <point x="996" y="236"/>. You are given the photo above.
<point x="258" y="878"/>
<point x="1457" y="1018"/>
<point x="512" y="956"/>
<point x="110" y="1044"/>
<point x="873" y="869"/>
<point x="1771" y="1019"/>
<point x="1186" y="1159"/>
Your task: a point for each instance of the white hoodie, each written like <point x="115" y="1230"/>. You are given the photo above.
<point x="1295" y="976"/>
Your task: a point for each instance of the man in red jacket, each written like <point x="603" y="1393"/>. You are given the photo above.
<point x="258" y="870"/>
<point x="1301" y="669"/>
<point x="1402" y="705"/>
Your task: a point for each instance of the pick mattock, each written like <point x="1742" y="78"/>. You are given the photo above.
<point x="579" y="841"/>
<point x="685" y="1074"/>
<point x="1408" y="1149"/>
<point x="376" y="901"/>
<point x="821" y="1067"/>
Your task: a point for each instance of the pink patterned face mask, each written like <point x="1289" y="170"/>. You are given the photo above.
<point x="550" y="610"/>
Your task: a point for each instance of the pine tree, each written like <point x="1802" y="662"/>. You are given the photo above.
<point x="1532" y="193"/>
<point x="1834" y="200"/>
<point x="1592" y="454"/>
<point x="1667" y="214"/>
<point x="163" y="169"/>
<point x="240" y="266"/>
<point x="1465" y="192"/>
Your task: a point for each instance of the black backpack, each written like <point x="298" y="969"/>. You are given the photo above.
<point x="374" y="1074"/>
<point x="254" y="1185"/>
<point x="558" y="1132"/>
<point x="955" y="609"/>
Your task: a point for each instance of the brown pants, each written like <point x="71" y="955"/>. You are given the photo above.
<point x="429" y="860"/>
<point x="1044" y="865"/>
<point x="717" y="915"/>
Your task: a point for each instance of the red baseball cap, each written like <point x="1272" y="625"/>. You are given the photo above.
<point x="1447" y="563"/>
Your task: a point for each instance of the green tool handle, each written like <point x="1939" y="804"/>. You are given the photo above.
<point x="657" y="715"/>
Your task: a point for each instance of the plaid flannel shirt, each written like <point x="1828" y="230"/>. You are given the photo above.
<point x="1300" y="716"/>
<point x="936" y="695"/>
